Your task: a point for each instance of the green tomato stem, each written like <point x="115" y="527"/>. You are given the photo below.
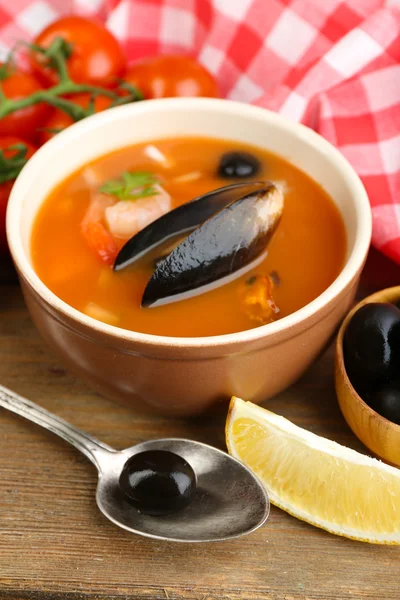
<point x="56" y="56"/>
<point x="11" y="167"/>
<point x="52" y="96"/>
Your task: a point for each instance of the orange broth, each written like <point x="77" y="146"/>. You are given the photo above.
<point x="307" y="251"/>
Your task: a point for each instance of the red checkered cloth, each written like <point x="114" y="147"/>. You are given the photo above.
<point x="331" y="64"/>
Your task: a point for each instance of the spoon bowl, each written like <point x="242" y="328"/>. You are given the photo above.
<point x="378" y="434"/>
<point x="229" y="502"/>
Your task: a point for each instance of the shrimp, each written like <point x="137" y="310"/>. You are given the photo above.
<point x="127" y="217"/>
<point x="96" y="208"/>
<point x="107" y="220"/>
<point x="96" y="235"/>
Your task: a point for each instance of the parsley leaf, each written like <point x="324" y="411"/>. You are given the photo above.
<point x="131" y="185"/>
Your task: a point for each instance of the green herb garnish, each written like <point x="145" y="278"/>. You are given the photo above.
<point x="131" y="185"/>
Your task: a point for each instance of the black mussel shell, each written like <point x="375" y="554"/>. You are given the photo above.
<point x="229" y="241"/>
<point x="372" y="345"/>
<point x="238" y="165"/>
<point x="181" y="220"/>
<point x="158" y="482"/>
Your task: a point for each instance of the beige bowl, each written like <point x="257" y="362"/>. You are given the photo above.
<point x="183" y="376"/>
<point x="381" y="436"/>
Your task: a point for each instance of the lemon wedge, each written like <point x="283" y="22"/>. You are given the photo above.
<point x="315" y="479"/>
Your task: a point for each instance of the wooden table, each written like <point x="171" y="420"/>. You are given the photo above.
<point x="56" y="545"/>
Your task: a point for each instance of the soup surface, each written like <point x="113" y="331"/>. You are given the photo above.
<point x="305" y="254"/>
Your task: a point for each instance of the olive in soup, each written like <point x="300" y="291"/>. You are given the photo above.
<point x="241" y="257"/>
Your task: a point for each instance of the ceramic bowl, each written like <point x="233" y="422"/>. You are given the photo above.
<point x="381" y="436"/>
<point x="184" y="376"/>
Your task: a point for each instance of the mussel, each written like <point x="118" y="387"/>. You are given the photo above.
<point x="222" y="247"/>
<point x="180" y="221"/>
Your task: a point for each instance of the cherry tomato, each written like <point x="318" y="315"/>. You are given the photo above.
<point x="24" y="122"/>
<point x="96" y="57"/>
<point x="169" y="76"/>
<point x="5" y="187"/>
<point x="59" y="120"/>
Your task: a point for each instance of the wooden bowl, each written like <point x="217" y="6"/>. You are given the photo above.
<point x="381" y="436"/>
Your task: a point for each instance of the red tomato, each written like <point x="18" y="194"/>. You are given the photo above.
<point x="59" y="120"/>
<point x="96" y="57"/>
<point x="5" y="187"/>
<point x="169" y="76"/>
<point x="24" y="122"/>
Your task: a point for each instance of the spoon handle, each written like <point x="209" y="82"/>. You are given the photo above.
<point x="92" y="448"/>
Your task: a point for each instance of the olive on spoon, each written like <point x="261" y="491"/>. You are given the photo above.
<point x="169" y="489"/>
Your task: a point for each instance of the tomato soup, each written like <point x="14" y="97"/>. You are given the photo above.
<point x="89" y="217"/>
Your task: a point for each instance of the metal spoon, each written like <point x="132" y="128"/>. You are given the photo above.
<point x="229" y="501"/>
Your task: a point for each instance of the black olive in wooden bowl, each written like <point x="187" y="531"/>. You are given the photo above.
<point x="367" y="372"/>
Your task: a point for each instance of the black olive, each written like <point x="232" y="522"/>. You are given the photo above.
<point x="372" y="345"/>
<point x="387" y="402"/>
<point x="158" y="482"/>
<point x="238" y="165"/>
<point x="364" y="388"/>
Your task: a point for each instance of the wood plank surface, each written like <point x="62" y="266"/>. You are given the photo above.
<point x="56" y="545"/>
